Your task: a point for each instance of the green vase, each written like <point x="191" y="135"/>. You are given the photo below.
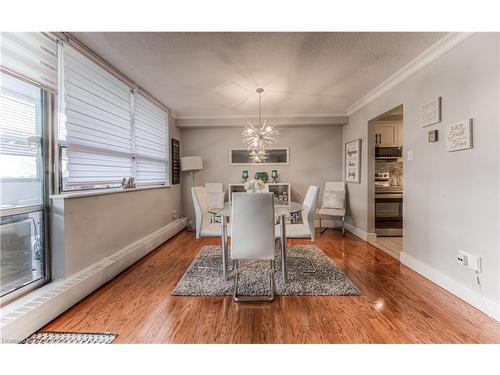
<point x="244" y="176"/>
<point x="263" y="176"/>
<point x="274" y="175"/>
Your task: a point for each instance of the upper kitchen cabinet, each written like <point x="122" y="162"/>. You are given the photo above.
<point x="388" y="134"/>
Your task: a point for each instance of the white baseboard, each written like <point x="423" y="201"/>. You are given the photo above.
<point x="328" y="223"/>
<point x="348" y="227"/>
<point x="21" y="318"/>
<point x="472" y="297"/>
<point x="366" y="236"/>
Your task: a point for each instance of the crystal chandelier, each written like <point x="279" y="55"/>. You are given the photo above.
<point x="259" y="137"/>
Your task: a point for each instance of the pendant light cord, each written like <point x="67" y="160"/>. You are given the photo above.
<point x="260" y="110"/>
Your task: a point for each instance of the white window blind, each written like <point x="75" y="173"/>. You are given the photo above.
<point x="31" y="55"/>
<point x="20" y="117"/>
<point x="98" y="123"/>
<point x="151" y="142"/>
<point x="108" y="131"/>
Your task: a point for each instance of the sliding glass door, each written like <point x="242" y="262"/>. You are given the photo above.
<point x="23" y="193"/>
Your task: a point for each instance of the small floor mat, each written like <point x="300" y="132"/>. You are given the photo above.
<point x="70" y="338"/>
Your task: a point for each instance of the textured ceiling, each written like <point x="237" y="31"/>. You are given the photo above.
<point x="216" y="74"/>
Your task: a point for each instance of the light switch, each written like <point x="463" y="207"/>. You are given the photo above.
<point x="410" y="155"/>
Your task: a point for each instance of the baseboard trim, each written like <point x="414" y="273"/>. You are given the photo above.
<point x="21" y="318"/>
<point x="472" y="297"/>
<point x="358" y="232"/>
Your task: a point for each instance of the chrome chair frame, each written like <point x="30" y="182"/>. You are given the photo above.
<point x="265" y="298"/>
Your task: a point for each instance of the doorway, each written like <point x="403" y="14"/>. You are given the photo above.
<point x="387" y="180"/>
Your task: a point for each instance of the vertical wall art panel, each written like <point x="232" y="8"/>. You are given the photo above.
<point x="353" y="161"/>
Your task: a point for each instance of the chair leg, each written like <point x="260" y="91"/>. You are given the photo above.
<point x="267" y="298"/>
<point x="320" y="225"/>
<point x="343" y="226"/>
<point x="324" y="230"/>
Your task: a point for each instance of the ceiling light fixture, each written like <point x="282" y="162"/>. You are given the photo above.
<point x="260" y="137"/>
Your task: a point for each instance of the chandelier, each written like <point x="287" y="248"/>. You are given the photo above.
<point x="259" y="137"/>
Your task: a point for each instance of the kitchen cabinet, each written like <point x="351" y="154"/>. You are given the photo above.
<point x="388" y="134"/>
<point x="399" y="135"/>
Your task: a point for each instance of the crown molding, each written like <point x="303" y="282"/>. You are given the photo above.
<point x="437" y="49"/>
<point x="238" y="122"/>
<point x="189" y="116"/>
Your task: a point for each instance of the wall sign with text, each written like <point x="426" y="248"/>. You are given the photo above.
<point x="430" y="113"/>
<point x="459" y="136"/>
<point x="353" y="161"/>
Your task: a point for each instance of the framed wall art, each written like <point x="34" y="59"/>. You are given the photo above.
<point x="176" y="161"/>
<point x="353" y="161"/>
<point x="459" y="136"/>
<point x="430" y="113"/>
<point x="276" y="156"/>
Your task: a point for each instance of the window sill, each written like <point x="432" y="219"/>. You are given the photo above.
<point x="82" y="194"/>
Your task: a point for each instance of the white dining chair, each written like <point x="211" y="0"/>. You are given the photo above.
<point x="306" y="229"/>
<point x="204" y="226"/>
<point x="215" y="197"/>
<point x="252" y="236"/>
<point x="333" y="203"/>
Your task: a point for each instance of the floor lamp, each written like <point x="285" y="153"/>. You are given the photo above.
<point x="191" y="164"/>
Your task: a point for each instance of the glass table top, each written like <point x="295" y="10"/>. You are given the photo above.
<point x="279" y="209"/>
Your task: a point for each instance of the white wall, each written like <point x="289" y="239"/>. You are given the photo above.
<point x="315" y="156"/>
<point x="451" y="200"/>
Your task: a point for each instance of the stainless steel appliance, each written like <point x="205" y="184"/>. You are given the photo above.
<point x="388" y="206"/>
<point x="388" y="152"/>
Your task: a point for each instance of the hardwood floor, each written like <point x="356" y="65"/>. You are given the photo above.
<point x="397" y="305"/>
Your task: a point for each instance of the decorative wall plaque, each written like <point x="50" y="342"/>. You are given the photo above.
<point x="353" y="161"/>
<point x="430" y="113"/>
<point x="459" y="136"/>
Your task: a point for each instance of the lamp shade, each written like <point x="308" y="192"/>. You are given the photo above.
<point x="191" y="163"/>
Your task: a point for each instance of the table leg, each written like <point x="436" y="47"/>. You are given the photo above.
<point x="224" y="247"/>
<point x="283" y="247"/>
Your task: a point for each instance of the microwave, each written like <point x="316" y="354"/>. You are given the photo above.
<point x="388" y="152"/>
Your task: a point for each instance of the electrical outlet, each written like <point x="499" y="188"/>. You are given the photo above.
<point x="174" y="215"/>
<point x="410" y="155"/>
<point x="469" y="261"/>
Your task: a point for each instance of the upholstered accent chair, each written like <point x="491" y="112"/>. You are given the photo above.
<point x="333" y="204"/>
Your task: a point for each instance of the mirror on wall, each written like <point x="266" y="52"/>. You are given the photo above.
<point x="241" y="156"/>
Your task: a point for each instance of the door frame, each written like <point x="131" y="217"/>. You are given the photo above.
<point x="370" y="183"/>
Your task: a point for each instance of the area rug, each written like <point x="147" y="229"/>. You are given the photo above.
<point x="70" y="338"/>
<point x="328" y="280"/>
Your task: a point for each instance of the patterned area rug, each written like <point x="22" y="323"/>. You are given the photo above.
<point x="328" y="280"/>
<point x="70" y="338"/>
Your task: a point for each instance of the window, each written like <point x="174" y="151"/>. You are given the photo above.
<point x="22" y="254"/>
<point x="27" y="80"/>
<point x="151" y="143"/>
<point x="32" y="56"/>
<point x="107" y="130"/>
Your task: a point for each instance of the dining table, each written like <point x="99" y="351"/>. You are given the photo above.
<point x="282" y="212"/>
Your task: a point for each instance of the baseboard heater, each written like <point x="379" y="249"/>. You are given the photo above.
<point x="25" y="316"/>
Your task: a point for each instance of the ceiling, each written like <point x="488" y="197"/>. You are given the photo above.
<point x="207" y="75"/>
